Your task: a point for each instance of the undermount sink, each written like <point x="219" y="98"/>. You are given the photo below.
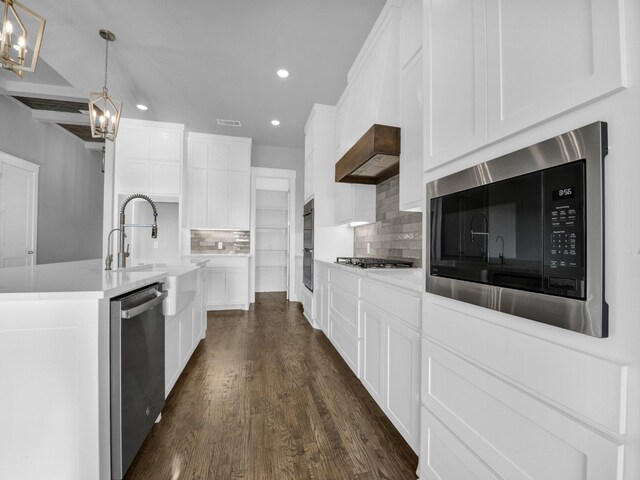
<point x="180" y="284"/>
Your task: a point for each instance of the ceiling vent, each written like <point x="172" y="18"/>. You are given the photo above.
<point x="229" y="123"/>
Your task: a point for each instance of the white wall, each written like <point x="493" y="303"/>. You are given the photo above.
<point x="268" y="156"/>
<point x="70" y="187"/>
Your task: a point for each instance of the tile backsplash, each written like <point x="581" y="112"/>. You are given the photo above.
<point x="233" y="243"/>
<point x="395" y="234"/>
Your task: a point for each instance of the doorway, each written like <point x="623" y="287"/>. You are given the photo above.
<point x="273" y="195"/>
<point x="18" y="211"/>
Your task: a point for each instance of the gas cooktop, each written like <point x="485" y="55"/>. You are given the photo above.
<point x="367" y="262"/>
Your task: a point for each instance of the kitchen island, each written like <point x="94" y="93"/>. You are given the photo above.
<point x="54" y="367"/>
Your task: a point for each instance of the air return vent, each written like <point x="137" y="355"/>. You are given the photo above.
<point x="229" y="123"/>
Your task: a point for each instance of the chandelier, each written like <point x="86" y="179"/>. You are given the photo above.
<point x="17" y="20"/>
<point x="104" y="111"/>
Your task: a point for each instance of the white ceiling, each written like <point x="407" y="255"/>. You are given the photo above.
<point x="195" y="61"/>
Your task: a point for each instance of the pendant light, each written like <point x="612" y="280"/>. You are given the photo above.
<point x="104" y="111"/>
<point x="16" y="53"/>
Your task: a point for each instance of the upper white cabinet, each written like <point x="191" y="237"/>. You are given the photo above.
<point x="491" y="70"/>
<point x="148" y="157"/>
<point x="535" y="73"/>
<point x="218" y="182"/>
<point x="354" y="204"/>
<point x="455" y="78"/>
<point x="411" y="107"/>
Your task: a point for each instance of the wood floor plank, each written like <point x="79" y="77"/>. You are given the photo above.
<point x="265" y="397"/>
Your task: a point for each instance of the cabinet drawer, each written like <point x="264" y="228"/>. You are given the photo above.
<point x="400" y="304"/>
<point x="516" y="435"/>
<point x="347" y="345"/>
<point x="227" y="262"/>
<point x="443" y="456"/>
<point x="346" y="282"/>
<point x="345" y="311"/>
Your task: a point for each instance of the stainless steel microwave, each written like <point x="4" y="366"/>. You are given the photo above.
<point x="523" y="233"/>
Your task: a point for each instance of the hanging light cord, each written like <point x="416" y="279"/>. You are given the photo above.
<point x="106" y="66"/>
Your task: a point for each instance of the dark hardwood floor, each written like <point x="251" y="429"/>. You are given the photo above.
<point x="267" y="397"/>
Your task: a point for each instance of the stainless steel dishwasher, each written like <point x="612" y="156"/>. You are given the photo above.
<point x="137" y="372"/>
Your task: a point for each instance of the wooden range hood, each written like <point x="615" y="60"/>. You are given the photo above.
<point x="373" y="158"/>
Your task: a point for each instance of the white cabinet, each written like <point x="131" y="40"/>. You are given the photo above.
<point x="402" y="386"/>
<point x="455" y="61"/>
<point x="321" y="295"/>
<point x="354" y="204"/>
<point x="391" y="354"/>
<point x="216" y="286"/>
<point x="183" y="332"/>
<point x="412" y="135"/>
<point x="227" y="283"/>
<point x="218" y="182"/>
<point x="307" y="305"/>
<point x="148" y="158"/>
<point x="536" y="73"/>
<point x="308" y="178"/>
<point x="373" y="333"/>
<point x="492" y="72"/>
<point x="344" y="323"/>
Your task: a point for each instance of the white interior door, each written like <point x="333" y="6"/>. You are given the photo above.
<point x="18" y="203"/>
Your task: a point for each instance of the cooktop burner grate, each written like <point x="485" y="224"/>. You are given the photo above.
<point x="368" y="262"/>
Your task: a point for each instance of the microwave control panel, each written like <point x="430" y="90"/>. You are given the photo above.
<point x="564" y="230"/>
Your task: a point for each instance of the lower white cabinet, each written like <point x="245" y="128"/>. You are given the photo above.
<point x="321" y="297"/>
<point x="307" y="304"/>
<point x="344" y="324"/>
<point x="227" y="283"/>
<point x="391" y="369"/>
<point x="373" y="332"/>
<point x="375" y="326"/>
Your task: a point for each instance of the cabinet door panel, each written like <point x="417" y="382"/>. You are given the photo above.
<point x="218" y="155"/>
<point x="171" y="353"/>
<point x="402" y="364"/>
<point x="198" y="154"/>
<point x="166" y="145"/>
<point x="373" y="352"/>
<point x="197" y="198"/>
<point x="412" y="138"/>
<point x="186" y="335"/>
<point x="133" y="142"/>
<point x="455" y="56"/>
<point x="216" y="288"/>
<point x="132" y="175"/>
<point x="239" y="200"/>
<point x="536" y="73"/>
<point x="237" y="283"/>
<point x="164" y="177"/>
<point x="218" y="199"/>
<point x="240" y="157"/>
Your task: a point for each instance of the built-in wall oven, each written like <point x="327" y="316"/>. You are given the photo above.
<point x="137" y="372"/>
<point x="307" y="256"/>
<point x="523" y="233"/>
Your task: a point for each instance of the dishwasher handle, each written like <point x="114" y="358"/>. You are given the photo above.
<point x="135" y="311"/>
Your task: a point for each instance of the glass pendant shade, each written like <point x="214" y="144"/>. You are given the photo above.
<point x="21" y="37"/>
<point x="105" y="115"/>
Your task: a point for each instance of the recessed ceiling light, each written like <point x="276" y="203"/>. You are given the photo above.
<point x="275" y="123"/>
<point x="142" y="107"/>
<point x="282" y="73"/>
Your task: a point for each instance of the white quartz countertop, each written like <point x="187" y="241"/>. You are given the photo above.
<point x="72" y="280"/>
<point x="409" y="278"/>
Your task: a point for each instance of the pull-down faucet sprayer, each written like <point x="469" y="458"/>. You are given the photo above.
<point x="122" y="254"/>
